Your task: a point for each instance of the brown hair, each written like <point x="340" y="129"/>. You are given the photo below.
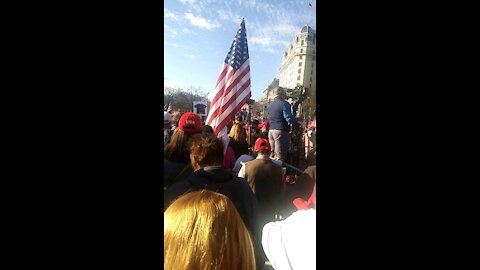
<point x="237" y="133"/>
<point x="205" y="150"/>
<point x="176" y="150"/>
<point x="203" y="230"/>
<point x="176" y="117"/>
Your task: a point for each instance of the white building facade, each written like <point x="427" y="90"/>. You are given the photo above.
<point x="299" y="61"/>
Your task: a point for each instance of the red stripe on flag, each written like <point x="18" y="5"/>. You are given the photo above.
<point x="231" y="115"/>
<point x="219" y="110"/>
<point x="220" y="95"/>
<point x="236" y="81"/>
<point x="229" y="103"/>
<point x="233" y="84"/>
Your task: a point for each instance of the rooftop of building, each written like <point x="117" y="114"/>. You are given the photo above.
<point x="307" y="29"/>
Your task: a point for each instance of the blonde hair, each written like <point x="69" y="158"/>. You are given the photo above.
<point x="203" y="230"/>
<point x="237" y="133"/>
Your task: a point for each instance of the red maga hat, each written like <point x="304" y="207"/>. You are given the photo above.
<point x="190" y="122"/>
<point x="264" y="124"/>
<point x="302" y="204"/>
<point x="262" y="144"/>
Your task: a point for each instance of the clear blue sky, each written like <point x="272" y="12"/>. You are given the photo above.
<point x="198" y="35"/>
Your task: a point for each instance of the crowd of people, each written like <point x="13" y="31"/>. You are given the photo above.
<point x="226" y="205"/>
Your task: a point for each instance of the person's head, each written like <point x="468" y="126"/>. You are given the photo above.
<point x="302" y="204"/>
<point x="280" y="92"/>
<point x="238" y="119"/>
<point x="190" y="122"/>
<point x="176" y="150"/>
<point x="167" y="120"/>
<point x="237" y="133"/>
<point x="263" y="126"/>
<point x="262" y="146"/>
<point x="203" y="230"/>
<point x="207" y="129"/>
<point x="205" y="150"/>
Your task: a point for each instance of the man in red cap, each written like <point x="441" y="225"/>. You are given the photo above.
<point x="264" y="129"/>
<point x="266" y="180"/>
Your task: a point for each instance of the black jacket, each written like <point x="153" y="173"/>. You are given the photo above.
<point x="224" y="182"/>
<point x="175" y="172"/>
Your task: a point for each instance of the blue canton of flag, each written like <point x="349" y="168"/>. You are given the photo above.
<point x="238" y="52"/>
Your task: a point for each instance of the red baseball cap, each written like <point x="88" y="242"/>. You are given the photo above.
<point x="264" y="124"/>
<point x="262" y="144"/>
<point x="190" y="122"/>
<point x="302" y="204"/>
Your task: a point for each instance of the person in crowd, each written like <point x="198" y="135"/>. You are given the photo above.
<point x="302" y="188"/>
<point x="207" y="129"/>
<point x="188" y="225"/>
<point x="264" y="129"/>
<point x="229" y="158"/>
<point x="255" y="122"/>
<point x="290" y="244"/>
<point x="238" y="140"/>
<point x="266" y="181"/>
<point x="167" y="124"/>
<point x="243" y="159"/>
<point x="176" y="164"/>
<point x="279" y="118"/>
<point x="176" y="119"/>
<point x="206" y="156"/>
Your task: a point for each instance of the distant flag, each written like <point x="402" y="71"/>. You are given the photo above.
<point x="232" y="89"/>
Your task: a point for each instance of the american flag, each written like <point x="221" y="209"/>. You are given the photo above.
<point x="232" y="90"/>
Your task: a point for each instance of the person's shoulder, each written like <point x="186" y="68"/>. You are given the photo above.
<point x="238" y="181"/>
<point x="172" y="165"/>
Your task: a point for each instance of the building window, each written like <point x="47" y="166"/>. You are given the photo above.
<point x="312" y="65"/>
<point x="302" y="43"/>
<point x="297" y="39"/>
<point x="311" y="72"/>
<point x="298" y="78"/>
<point x="299" y="70"/>
<point x="313" y="57"/>
<point x="300" y="64"/>
<point x="301" y="50"/>
<point x="300" y="57"/>
<point x="310" y="79"/>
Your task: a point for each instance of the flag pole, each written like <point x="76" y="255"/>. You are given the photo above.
<point x="250" y="124"/>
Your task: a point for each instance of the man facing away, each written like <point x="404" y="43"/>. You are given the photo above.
<point x="279" y="117"/>
<point x="265" y="178"/>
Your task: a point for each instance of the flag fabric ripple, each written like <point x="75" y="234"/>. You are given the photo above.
<point x="232" y="89"/>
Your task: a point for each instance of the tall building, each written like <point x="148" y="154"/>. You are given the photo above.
<point x="299" y="61"/>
